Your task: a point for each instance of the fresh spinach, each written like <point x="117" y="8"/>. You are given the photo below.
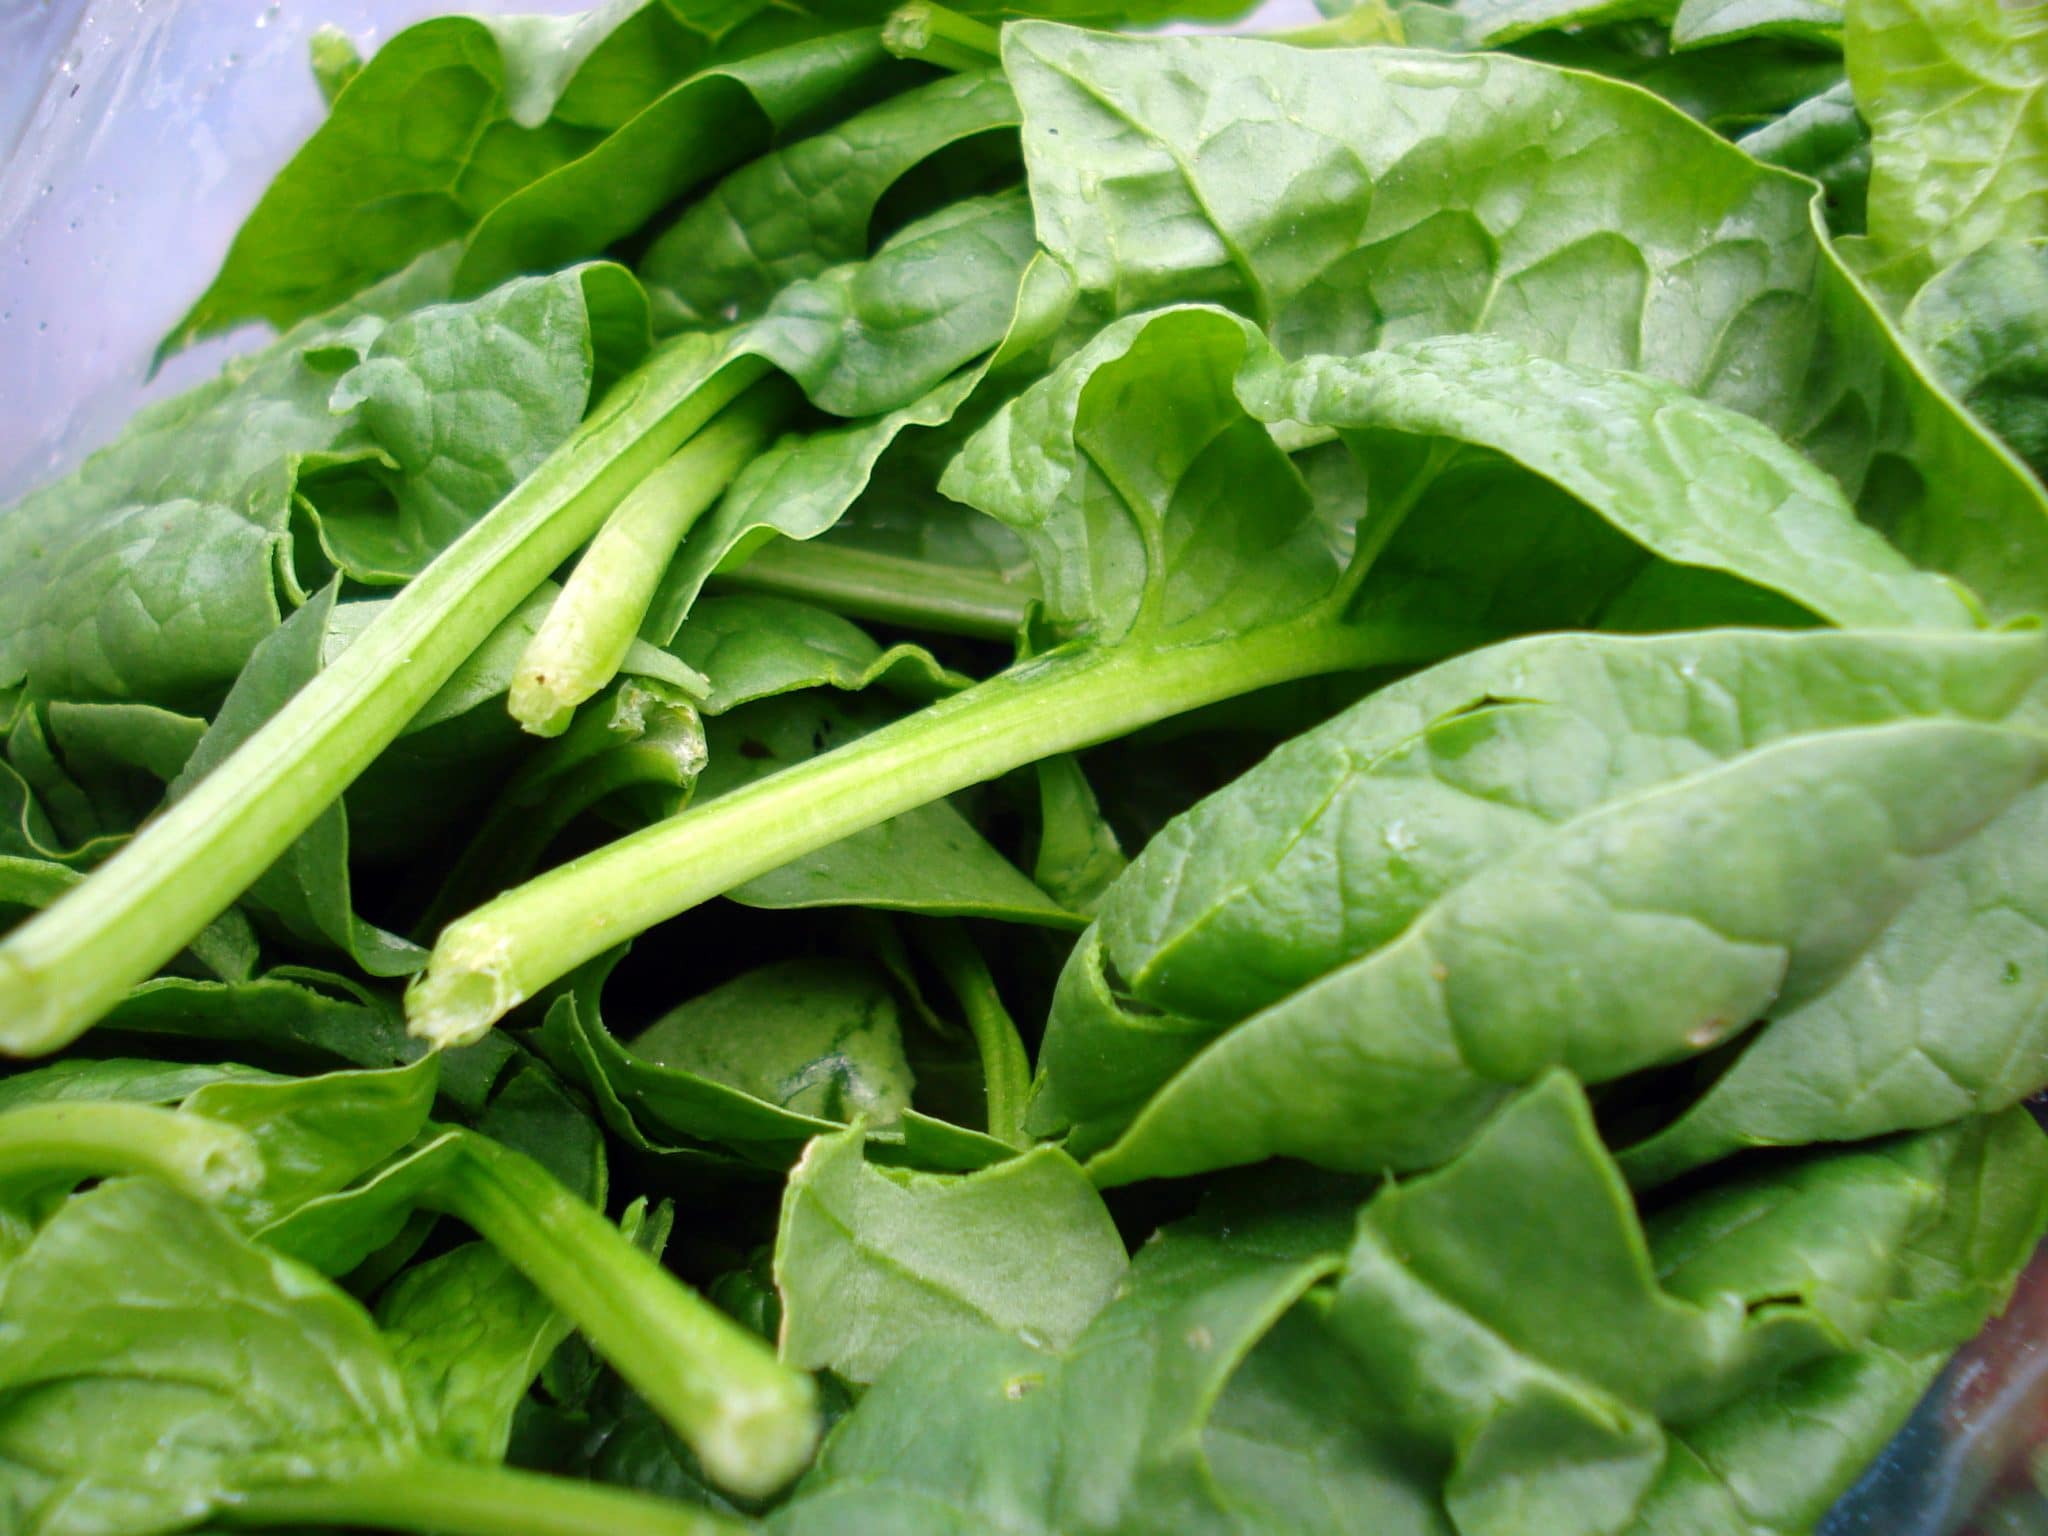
<point x="1409" y="596"/>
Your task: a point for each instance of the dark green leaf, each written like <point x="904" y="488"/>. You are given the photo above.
<point x="870" y="1259"/>
<point x="792" y="214"/>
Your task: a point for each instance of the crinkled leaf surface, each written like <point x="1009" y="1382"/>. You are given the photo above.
<point x="1956" y="94"/>
<point x="152" y="572"/>
<point x="1344" y="850"/>
<point x="1313" y="193"/>
<point x="1565" y="1418"/>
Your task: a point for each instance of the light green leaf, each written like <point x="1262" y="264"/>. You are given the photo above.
<point x="1103" y="1440"/>
<point x="1713" y="23"/>
<point x="1311" y="192"/>
<point x="1695" y="484"/>
<point x="1352" y="854"/>
<point x="141" y="1313"/>
<point x="1956" y="95"/>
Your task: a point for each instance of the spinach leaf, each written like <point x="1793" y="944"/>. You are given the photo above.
<point x="957" y="285"/>
<point x="1153" y="167"/>
<point x="1103" y="1437"/>
<point x="1823" y="137"/>
<point x="697" y="128"/>
<point x="1951" y="91"/>
<point x="445" y="121"/>
<point x="252" y="1389"/>
<point x="1079" y="857"/>
<point x="1701" y="23"/>
<point x="1983" y="326"/>
<point x="793" y="214"/>
<point x="758" y="1066"/>
<point x="870" y="1259"/>
<point x="753" y="647"/>
<point x="819" y="1038"/>
<point x="152" y="573"/>
<point x="1882" y="1049"/>
<point x="1633" y="449"/>
<point x="1351" y="855"/>
<point x="1794" y="1280"/>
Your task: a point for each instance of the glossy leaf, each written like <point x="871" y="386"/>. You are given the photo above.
<point x="794" y="213"/>
<point x="1952" y="92"/>
<point x="1154" y="169"/>
<point x="1346" y="843"/>
<point x="445" y="121"/>
<point x="698" y="128"/>
<point x="1735" y="1304"/>
<point x="180" y="1421"/>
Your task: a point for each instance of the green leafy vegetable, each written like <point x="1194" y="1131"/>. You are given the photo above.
<point x="1262" y="786"/>
<point x="869" y="1259"/>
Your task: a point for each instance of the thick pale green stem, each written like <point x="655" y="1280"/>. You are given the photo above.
<point x="440" y="1497"/>
<point x="502" y="953"/>
<point x="42" y="1143"/>
<point x="752" y="1420"/>
<point x="945" y="39"/>
<point x="886" y="588"/>
<point x="584" y="638"/>
<point x="1005" y="1068"/>
<point x="63" y="969"/>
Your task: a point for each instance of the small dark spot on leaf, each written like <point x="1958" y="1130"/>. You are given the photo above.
<point x="755" y="749"/>
<point x="1762" y="1303"/>
<point x="2012" y="973"/>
